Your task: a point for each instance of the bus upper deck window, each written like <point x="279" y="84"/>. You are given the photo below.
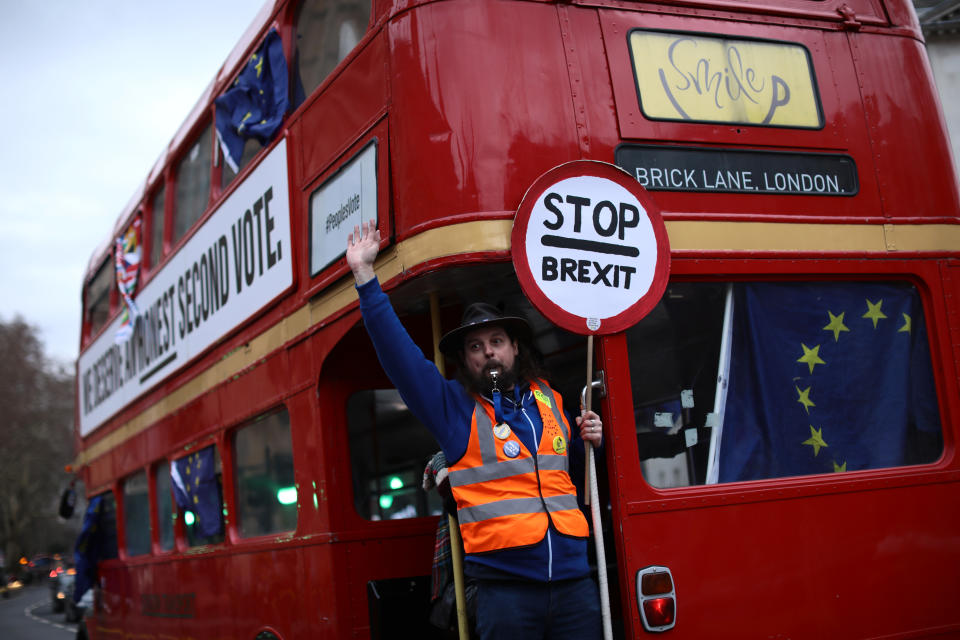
<point x="98" y="296"/>
<point x="157" y="226"/>
<point x="250" y="149"/>
<point x="136" y="514"/>
<point x="327" y="31"/>
<point x="192" y="192"/>
<point x="266" y="491"/>
<point x="819" y="377"/>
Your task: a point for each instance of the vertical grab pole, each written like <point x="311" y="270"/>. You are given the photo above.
<point x="592" y="497"/>
<point x="456" y="545"/>
<point x="723" y="384"/>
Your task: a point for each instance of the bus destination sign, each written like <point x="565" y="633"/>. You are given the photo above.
<point x="659" y="168"/>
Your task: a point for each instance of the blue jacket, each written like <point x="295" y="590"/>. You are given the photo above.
<point x="446" y="408"/>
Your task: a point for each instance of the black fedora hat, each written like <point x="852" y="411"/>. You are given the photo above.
<point x="478" y="315"/>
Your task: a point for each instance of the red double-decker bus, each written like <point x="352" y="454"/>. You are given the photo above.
<point x="780" y="430"/>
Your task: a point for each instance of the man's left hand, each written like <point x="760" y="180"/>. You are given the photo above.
<point x="591" y="428"/>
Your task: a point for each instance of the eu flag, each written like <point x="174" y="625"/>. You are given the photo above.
<point x="825" y="377"/>
<point x="256" y="103"/>
<point x="196" y="489"/>
<point x="97" y="541"/>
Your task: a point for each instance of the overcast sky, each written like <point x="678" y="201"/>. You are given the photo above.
<point x="93" y="91"/>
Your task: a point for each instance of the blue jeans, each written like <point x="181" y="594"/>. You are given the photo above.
<point x="561" y="610"/>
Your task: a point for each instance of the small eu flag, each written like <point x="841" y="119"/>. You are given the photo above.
<point x="196" y="489"/>
<point x="97" y="541"/>
<point x="825" y="377"/>
<point x="85" y="550"/>
<point x="254" y="106"/>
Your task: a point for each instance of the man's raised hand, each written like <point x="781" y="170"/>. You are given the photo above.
<point x="362" y="248"/>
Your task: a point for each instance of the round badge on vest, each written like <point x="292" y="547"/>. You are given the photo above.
<point x="502" y="431"/>
<point x="511" y="449"/>
<point x="559" y="445"/>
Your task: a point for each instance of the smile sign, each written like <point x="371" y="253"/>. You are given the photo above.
<point x="590" y="248"/>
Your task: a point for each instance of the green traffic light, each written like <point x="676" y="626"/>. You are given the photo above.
<point x="287" y="495"/>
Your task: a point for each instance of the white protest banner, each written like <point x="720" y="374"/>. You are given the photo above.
<point x="235" y="264"/>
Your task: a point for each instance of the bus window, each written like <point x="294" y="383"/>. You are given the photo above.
<point x="822" y="377"/>
<point x="156" y="227"/>
<point x="200" y="487"/>
<point x="250" y="149"/>
<point x="266" y="491"/>
<point x="108" y="527"/>
<point x="192" y="192"/>
<point x="327" y="30"/>
<point x="136" y="514"/>
<point x="389" y="449"/>
<point x="165" y="515"/>
<point x="98" y="296"/>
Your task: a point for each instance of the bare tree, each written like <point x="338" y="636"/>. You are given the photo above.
<point x="36" y="441"/>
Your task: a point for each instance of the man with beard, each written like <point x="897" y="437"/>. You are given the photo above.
<point x="506" y="438"/>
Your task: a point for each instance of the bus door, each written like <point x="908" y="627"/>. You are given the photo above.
<point x="776" y="456"/>
<point x="383" y="523"/>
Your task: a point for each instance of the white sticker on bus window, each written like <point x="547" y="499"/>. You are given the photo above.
<point x="663" y="419"/>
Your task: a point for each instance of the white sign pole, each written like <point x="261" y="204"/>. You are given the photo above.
<point x="592" y="498"/>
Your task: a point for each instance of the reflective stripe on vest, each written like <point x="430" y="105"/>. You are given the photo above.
<point x="503" y="502"/>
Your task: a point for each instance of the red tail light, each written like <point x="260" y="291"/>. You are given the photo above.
<point x="659" y="612"/>
<point x="656" y="598"/>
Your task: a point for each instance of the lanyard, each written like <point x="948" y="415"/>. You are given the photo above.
<point x="497" y="400"/>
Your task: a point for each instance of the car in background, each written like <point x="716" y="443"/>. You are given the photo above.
<point x="61" y="583"/>
<point x="74" y="611"/>
<point x="9" y="584"/>
<point x="38" y="568"/>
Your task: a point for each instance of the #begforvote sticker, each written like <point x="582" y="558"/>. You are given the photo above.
<point x="590" y="247"/>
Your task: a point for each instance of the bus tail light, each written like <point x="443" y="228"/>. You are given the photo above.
<point x="656" y="598"/>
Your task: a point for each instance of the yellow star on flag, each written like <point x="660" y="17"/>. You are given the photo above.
<point x="804" y="398"/>
<point x="839" y="468"/>
<point x="874" y="313"/>
<point x="836" y="325"/>
<point x="907" y="324"/>
<point x="810" y="357"/>
<point x="815" y="440"/>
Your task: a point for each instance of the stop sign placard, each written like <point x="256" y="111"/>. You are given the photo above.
<point x="590" y="248"/>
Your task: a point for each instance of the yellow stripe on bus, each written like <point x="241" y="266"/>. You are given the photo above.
<point x="494" y="236"/>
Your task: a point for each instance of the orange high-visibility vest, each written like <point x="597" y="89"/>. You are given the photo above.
<point x="506" y="497"/>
